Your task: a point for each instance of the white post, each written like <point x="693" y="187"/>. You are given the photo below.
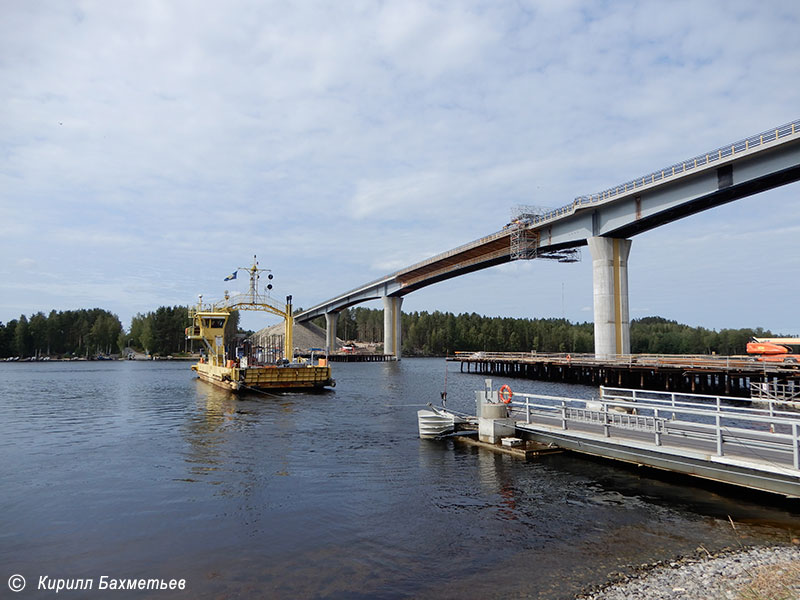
<point x="655" y="427"/>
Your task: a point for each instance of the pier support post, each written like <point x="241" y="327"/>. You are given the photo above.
<point x="392" y="342"/>
<point x="331" y="319"/>
<point x="612" y="329"/>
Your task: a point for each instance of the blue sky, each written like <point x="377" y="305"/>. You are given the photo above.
<point x="148" y="148"/>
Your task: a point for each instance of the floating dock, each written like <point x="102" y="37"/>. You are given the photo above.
<point x="728" y="375"/>
<point x="728" y="440"/>
<point x="527" y="450"/>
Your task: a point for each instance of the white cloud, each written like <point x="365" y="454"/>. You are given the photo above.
<point x="170" y="141"/>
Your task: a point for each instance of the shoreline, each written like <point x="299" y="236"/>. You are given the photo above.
<point x="754" y="572"/>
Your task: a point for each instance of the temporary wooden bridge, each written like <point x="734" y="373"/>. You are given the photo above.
<point x="728" y="375"/>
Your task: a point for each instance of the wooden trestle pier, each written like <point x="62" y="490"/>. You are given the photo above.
<point x="725" y="375"/>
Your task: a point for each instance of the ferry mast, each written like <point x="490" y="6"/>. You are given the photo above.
<point x="209" y="320"/>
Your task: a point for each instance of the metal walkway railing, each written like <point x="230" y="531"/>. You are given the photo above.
<point x="692" y="422"/>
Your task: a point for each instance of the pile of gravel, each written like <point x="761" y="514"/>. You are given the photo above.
<point x="304" y="335"/>
<point x="744" y="573"/>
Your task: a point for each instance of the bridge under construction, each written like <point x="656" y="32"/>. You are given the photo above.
<point x="602" y="221"/>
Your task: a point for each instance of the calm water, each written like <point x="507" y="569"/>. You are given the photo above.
<point x="139" y="470"/>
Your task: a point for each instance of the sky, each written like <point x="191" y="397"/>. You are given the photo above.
<point x="149" y="148"/>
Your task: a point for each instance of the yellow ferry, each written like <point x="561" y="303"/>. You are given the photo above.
<point x="247" y="367"/>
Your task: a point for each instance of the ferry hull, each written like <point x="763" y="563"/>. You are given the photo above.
<point x="285" y="378"/>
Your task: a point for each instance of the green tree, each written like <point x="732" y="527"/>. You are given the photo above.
<point x="8" y="338"/>
<point x="22" y="338"/>
<point x="37" y="329"/>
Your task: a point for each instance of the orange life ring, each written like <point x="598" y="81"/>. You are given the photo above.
<point x="505" y="394"/>
<point x="569" y="357"/>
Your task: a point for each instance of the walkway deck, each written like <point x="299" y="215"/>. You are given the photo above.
<point x="706" y="436"/>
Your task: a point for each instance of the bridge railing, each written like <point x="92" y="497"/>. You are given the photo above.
<point x="675" y="170"/>
<point x="701" y="160"/>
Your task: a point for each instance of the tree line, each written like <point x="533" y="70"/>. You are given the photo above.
<point x="88" y="332"/>
<point x="93" y="332"/>
<point x="440" y="333"/>
<point x="61" y="333"/>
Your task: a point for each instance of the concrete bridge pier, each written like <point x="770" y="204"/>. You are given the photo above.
<point x="612" y="327"/>
<point x="331" y="319"/>
<point x="392" y="341"/>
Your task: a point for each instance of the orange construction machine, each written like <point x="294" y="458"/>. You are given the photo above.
<point x="773" y="349"/>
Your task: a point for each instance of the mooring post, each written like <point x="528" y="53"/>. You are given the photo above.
<point x="655" y="427"/>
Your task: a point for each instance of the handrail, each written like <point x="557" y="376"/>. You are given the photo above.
<point x="680" y="406"/>
<point x="769" y="414"/>
<point x="727" y="424"/>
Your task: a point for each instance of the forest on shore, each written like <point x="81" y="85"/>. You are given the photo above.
<point x="93" y="332"/>
<point x="441" y="333"/>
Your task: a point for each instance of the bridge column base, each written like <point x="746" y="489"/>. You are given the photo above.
<point x="612" y="328"/>
<point x="331" y="319"/>
<point x="392" y="341"/>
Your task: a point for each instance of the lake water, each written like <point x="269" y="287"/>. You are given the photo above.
<point x="133" y="469"/>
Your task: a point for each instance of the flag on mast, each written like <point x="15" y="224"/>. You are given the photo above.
<point x="231" y="276"/>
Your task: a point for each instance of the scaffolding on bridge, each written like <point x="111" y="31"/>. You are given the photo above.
<point x="525" y="242"/>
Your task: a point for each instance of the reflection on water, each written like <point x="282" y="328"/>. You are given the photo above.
<point x="135" y="469"/>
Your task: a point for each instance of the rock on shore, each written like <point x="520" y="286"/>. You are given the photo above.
<point x="746" y="574"/>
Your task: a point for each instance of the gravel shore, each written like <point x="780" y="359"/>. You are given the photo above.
<point x="747" y="574"/>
